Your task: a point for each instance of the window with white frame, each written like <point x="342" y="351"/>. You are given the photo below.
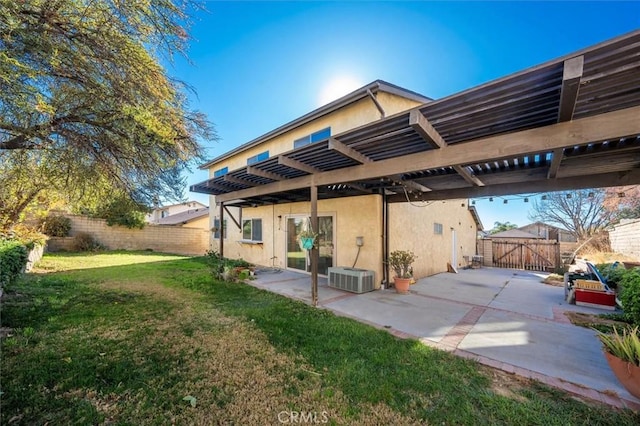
<point x="252" y="230"/>
<point x="437" y="228"/>
<point x="216" y="226"/>
<point x="318" y="136"/>
<point x="258" y="157"/>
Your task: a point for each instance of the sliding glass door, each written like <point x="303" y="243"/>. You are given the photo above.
<point x="297" y="258"/>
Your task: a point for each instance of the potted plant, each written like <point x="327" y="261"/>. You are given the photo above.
<point x="623" y="355"/>
<point x="400" y="261"/>
<point x="307" y="238"/>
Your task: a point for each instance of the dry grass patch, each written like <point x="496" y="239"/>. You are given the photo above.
<point x="162" y="343"/>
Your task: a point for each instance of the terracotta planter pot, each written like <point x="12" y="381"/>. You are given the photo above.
<point x="627" y="374"/>
<point x="402" y="284"/>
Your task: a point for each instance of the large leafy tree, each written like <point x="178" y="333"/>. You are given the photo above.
<point x="87" y="111"/>
<point x="502" y="226"/>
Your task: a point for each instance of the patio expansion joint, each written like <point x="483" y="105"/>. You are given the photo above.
<point x="555" y="318"/>
<point x="463" y="327"/>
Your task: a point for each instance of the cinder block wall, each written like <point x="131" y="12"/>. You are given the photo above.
<point x="167" y="239"/>
<point x="625" y="238"/>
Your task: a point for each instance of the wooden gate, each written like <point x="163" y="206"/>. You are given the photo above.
<point x="533" y="255"/>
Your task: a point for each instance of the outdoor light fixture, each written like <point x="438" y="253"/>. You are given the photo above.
<point x="491" y="199"/>
<point x="591" y="195"/>
<point x="473" y="203"/>
<point x="544" y="197"/>
<point x="526" y="200"/>
<point x="621" y="194"/>
<point x="506" y="201"/>
<point x="568" y="195"/>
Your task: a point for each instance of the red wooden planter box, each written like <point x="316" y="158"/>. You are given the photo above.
<point x="596" y="299"/>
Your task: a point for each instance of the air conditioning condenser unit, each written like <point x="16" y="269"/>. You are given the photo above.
<point x="352" y="279"/>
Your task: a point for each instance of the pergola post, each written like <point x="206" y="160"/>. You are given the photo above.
<point x="221" y="230"/>
<point x="315" y="255"/>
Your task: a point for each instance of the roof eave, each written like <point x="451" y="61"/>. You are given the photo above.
<point x="350" y="98"/>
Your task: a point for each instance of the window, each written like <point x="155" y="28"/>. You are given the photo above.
<point x="437" y="228"/>
<point x="257" y="158"/>
<point x="220" y="172"/>
<point x="252" y="230"/>
<point x="164" y="213"/>
<point x="318" y="136"/>
<point x="216" y="225"/>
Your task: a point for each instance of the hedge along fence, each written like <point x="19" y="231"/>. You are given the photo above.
<point x="13" y="260"/>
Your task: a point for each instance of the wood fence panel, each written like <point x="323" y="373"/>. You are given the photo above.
<point x="532" y="255"/>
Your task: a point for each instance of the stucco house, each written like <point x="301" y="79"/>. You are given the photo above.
<point x="549" y="232"/>
<point x="357" y="226"/>
<point x="194" y="218"/>
<point x="161" y="212"/>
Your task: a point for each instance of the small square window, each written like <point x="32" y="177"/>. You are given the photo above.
<point x="216" y="225"/>
<point x="437" y="228"/>
<point x="252" y="230"/>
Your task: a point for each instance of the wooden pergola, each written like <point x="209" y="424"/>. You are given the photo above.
<point x="570" y="123"/>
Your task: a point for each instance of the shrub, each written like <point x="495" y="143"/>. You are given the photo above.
<point x="56" y="226"/>
<point x="123" y="211"/>
<point x="13" y="260"/>
<point x="612" y="272"/>
<point x="25" y="235"/>
<point x="630" y="295"/>
<point x="226" y="269"/>
<point x="86" y="242"/>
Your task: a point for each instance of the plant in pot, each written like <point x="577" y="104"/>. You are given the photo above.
<point x="623" y="355"/>
<point x="401" y="261"/>
<point x="307" y="238"/>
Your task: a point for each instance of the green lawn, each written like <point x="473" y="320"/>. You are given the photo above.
<point x="143" y="338"/>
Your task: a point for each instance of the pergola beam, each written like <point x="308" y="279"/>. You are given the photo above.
<point x="541" y="185"/>
<point x="556" y="159"/>
<point x="348" y="152"/>
<point x="237" y="180"/>
<point x="571" y="76"/>
<point x="421" y="125"/>
<point x="298" y="165"/>
<point x="466" y="174"/>
<point x="611" y="125"/>
<point x="252" y="170"/>
<point x="412" y="185"/>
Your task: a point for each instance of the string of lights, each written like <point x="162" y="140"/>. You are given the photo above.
<point x="526" y="197"/>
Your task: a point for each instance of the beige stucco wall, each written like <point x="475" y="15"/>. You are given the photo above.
<point x="357" y="114"/>
<point x="412" y="228"/>
<point x="200" y="223"/>
<point x="353" y="217"/>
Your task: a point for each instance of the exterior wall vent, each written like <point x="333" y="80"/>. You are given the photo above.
<point x="352" y="279"/>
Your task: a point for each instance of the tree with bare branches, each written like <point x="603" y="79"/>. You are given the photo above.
<point x="582" y="212"/>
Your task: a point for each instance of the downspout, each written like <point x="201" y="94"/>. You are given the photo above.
<point x="385" y="240"/>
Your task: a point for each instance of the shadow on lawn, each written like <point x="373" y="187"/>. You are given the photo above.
<point x="366" y="364"/>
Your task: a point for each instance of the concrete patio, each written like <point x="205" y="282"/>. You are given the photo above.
<point x="503" y="318"/>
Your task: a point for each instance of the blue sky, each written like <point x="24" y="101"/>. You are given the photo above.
<point x="258" y="65"/>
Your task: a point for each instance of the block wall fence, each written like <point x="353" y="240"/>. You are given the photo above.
<point x="161" y="238"/>
<point x="625" y="238"/>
